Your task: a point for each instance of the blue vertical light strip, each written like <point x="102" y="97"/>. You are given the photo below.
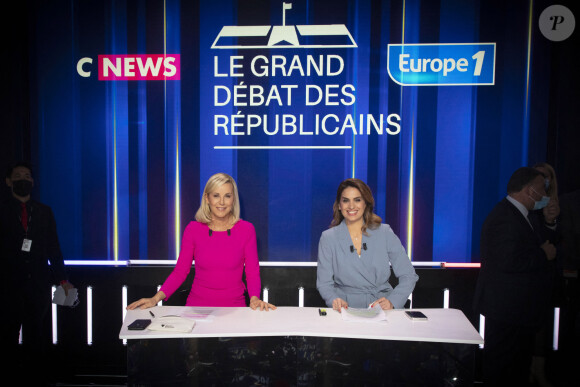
<point x="110" y="193"/>
<point x="177" y="207"/>
<point x="383" y="106"/>
<point x="142" y="171"/>
<point x="118" y="114"/>
<point x="112" y="175"/>
<point x="112" y="201"/>
<point x="215" y="16"/>
<point x="362" y="17"/>
<point x="77" y="150"/>
<point x="411" y="194"/>
<point x="142" y="139"/>
<point x="452" y="211"/>
<point x="172" y="104"/>
<point x="354" y="73"/>
<point x="115" y="185"/>
<point x="122" y="161"/>
<point x="168" y="140"/>
<point x="408" y="115"/>
<point x="526" y="123"/>
<point x="403" y="18"/>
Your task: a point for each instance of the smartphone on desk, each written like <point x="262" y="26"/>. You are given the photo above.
<point x="415" y="315"/>
<point x="139" y="325"/>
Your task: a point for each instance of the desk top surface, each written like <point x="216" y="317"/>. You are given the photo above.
<point x="443" y="325"/>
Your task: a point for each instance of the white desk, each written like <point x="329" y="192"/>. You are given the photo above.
<point x="443" y="325"/>
<point x="296" y="346"/>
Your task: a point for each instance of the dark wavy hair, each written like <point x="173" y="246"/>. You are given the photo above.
<point x="370" y="219"/>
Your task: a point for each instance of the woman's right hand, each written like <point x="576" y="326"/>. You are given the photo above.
<point x="145" y="303"/>
<point x="339" y="303"/>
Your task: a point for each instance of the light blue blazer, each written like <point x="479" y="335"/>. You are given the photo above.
<point x="360" y="281"/>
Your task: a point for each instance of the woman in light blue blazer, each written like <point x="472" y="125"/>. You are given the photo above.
<point x="356" y="254"/>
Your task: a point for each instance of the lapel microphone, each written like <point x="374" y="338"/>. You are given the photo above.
<point x="229" y="232"/>
<point x="364" y="246"/>
<point x="210" y="232"/>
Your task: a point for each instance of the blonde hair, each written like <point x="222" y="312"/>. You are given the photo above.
<point x="203" y="214"/>
<point x="370" y="219"/>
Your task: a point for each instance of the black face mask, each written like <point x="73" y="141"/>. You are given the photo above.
<point x="22" y="188"/>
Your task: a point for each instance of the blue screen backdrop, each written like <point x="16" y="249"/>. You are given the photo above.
<point x="123" y="162"/>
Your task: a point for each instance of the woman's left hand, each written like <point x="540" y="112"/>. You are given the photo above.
<point x="384" y="303"/>
<point x="256" y="303"/>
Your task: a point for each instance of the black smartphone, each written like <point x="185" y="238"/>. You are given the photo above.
<point x="139" y="325"/>
<point x="415" y="315"/>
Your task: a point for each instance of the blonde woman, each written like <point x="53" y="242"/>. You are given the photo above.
<point x="551" y="209"/>
<point x="544" y="219"/>
<point x="224" y="247"/>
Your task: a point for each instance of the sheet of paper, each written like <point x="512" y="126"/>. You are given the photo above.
<point x="363" y="315"/>
<point x="60" y="298"/>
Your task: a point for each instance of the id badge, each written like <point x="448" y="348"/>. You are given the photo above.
<point x="26" y="244"/>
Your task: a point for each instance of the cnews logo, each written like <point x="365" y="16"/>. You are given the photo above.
<point x="133" y="67"/>
<point x="300" y="36"/>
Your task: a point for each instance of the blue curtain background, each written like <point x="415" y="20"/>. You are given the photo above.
<point x="123" y="163"/>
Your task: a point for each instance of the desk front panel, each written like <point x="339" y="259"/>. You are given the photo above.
<point x="298" y="361"/>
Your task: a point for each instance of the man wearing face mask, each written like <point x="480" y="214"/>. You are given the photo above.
<point x="28" y="241"/>
<point x="512" y="290"/>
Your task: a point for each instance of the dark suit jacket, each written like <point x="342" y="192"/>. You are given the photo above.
<point x="28" y="269"/>
<point x="514" y="281"/>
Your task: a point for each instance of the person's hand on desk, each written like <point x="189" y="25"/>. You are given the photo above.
<point x="339" y="303"/>
<point x="256" y="303"/>
<point x="384" y="303"/>
<point x="145" y="303"/>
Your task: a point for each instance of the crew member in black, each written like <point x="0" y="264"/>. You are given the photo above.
<point x="28" y="241"/>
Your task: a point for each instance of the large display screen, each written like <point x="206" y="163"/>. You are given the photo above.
<point x="135" y="104"/>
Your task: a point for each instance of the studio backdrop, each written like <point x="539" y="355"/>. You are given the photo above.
<point x="136" y="103"/>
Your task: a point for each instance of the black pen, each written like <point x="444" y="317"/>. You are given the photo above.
<point x="152" y="315"/>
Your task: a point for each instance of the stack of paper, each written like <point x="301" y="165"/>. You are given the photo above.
<point x="172" y="324"/>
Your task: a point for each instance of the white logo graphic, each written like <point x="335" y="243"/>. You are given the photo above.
<point x="299" y="36"/>
<point x="557" y="23"/>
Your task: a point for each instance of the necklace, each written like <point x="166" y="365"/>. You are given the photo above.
<point x="355" y="236"/>
<point x="356" y="240"/>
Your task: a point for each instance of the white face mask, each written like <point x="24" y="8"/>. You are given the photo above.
<point x="543" y="202"/>
<point x="539" y="204"/>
